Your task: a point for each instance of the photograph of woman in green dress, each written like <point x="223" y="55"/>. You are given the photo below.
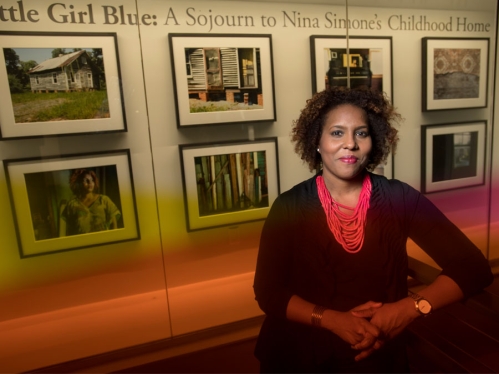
<point x="88" y="211"/>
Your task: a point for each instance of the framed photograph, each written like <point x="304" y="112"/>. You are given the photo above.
<point x="222" y="78"/>
<point x="368" y="62"/>
<point x="229" y="183"/>
<point x="453" y="156"/>
<point x="74" y="201"/>
<point x="59" y="83"/>
<point x="455" y="73"/>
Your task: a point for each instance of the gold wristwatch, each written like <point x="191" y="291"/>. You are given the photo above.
<point x="423" y="306"/>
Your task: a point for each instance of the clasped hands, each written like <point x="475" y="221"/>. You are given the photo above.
<point x="367" y="326"/>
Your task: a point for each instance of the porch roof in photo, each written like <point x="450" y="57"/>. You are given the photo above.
<point x="56" y="62"/>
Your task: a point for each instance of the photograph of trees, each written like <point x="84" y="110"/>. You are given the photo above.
<point x="231" y="182"/>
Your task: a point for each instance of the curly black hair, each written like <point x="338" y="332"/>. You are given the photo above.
<point x="380" y="114"/>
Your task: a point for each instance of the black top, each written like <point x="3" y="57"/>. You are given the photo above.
<point x="299" y="255"/>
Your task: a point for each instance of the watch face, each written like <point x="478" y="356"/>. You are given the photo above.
<point x="424" y="306"/>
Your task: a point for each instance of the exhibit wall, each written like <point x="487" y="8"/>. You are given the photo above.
<point x="191" y="86"/>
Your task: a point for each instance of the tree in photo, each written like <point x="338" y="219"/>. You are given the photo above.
<point x="58" y="52"/>
<point x="13" y="66"/>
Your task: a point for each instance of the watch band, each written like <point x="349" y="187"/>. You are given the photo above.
<point x="416" y="296"/>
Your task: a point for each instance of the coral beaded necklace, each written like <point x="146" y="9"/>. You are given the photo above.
<point x="347" y="229"/>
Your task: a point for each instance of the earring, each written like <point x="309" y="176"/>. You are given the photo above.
<point x="318" y="150"/>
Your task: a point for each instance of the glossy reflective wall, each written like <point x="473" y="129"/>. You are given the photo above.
<point x="76" y="303"/>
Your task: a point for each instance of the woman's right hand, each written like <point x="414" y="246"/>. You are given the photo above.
<point x="356" y="331"/>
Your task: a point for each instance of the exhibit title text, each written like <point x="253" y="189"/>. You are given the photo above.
<point x="62" y="13"/>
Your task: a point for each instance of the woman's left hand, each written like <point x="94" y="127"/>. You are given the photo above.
<point x="391" y="319"/>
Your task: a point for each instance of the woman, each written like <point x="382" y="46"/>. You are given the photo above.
<point x="88" y="211"/>
<point x="331" y="273"/>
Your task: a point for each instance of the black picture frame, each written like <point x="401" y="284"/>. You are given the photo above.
<point x="228" y="183"/>
<point x="75" y="92"/>
<point x="453" y="156"/>
<point x="455" y="73"/>
<point x="222" y="78"/>
<point x="48" y="215"/>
